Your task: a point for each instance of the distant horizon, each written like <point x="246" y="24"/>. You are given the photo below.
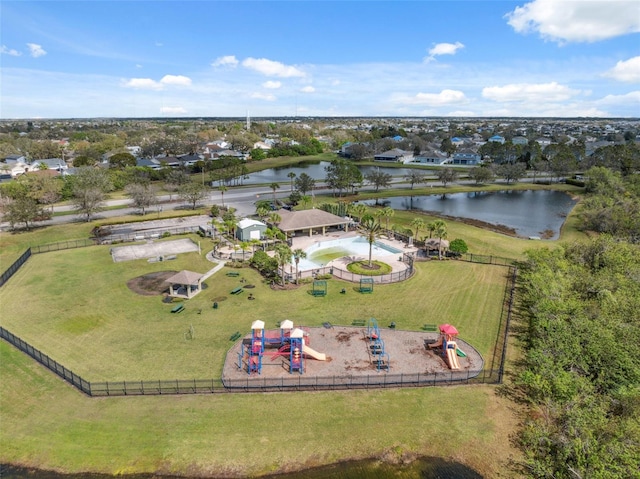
<point x="312" y="58"/>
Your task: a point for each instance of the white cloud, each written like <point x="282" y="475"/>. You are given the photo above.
<point x="529" y="92"/>
<point x="577" y="20"/>
<point x="142" y="84"/>
<point x="272" y="85"/>
<point x="173" y="110"/>
<point x="626" y="71"/>
<point x="445" y="97"/>
<point x="36" y="50"/>
<point x="138" y="65"/>
<point x="225" y="61"/>
<point x="176" y="80"/>
<point x="307" y="89"/>
<point x="263" y="96"/>
<point x="9" y="51"/>
<point x="443" y="49"/>
<point x="272" y="68"/>
<point x="626" y="100"/>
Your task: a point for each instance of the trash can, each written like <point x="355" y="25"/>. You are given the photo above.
<point x="215" y="305"/>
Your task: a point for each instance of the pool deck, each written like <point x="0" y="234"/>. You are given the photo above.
<point x="304" y="242"/>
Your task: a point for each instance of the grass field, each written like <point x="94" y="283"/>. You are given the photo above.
<point x="75" y="306"/>
<point x="64" y="302"/>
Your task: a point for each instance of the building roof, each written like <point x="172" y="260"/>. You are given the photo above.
<point x="185" y="277"/>
<point x="247" y="222"/>
<point x="305" y="219"/>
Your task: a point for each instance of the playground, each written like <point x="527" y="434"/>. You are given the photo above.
<point x="347" y="351"/>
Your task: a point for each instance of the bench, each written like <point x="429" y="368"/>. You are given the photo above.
<point x="233" y="274"/>
<point x="430" y="327"/>
<point x="178" y="308"/>
<point x="235" y="336"/>
<point x="358" y="322"/>
<point x="237" y="290"/>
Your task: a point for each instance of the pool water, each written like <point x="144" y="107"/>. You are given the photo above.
<point x="322" y="252"/>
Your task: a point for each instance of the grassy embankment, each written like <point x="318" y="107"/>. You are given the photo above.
<point x="48" y="424"/>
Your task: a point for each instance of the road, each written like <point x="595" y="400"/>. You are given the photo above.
<point x="241" y="198"/>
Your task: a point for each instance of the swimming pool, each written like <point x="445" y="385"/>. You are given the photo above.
<point x="322" y="252"/>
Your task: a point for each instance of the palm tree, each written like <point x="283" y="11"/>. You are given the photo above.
<point x="387" y="212"/>
<point x="418" y="224"/>
<point x="305" y="201"/>
<point x="371" y="230"/>
<point x="262" y="211"/>
<point x="291" y="175"/>
<point x="298" y="254"/>
<point x="230" y="225"/>
<point x="244" y="246"/>
<point x="358" y="210"/>
<point x="441" y="233"/>
<point x="254" y="242"/>
<point x="274" y="186"/>
<point x="222" y="189"/>
<point x="282" y="255"/>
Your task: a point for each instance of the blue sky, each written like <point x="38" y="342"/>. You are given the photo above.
<point x="564" y="58"/>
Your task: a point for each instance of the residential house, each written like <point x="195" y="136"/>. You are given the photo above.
<point x="466" y="157"/>
<point x="396" y="155"/>
<point x="497" y="139"/>
<point x="57" y="164"/>
<point x="431" y="157"/>
<point x="520" y="140"/>
<point x="14" y="165"/>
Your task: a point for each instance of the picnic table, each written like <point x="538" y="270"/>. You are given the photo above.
<point x="178" y="308"/>
<point x="237" y="290"/>
<point x="233" y="274"/>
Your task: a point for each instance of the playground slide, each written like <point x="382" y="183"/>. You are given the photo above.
<point x="313" y="353"/>
<point x="453" y="359"/>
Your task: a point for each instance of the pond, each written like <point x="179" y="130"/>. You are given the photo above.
<point x="423" y="468"/>
<point x="529" y="213"/>
<point x="314" y="170"/>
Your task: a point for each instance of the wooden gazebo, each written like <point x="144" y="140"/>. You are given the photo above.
<point x="185" y="284"/>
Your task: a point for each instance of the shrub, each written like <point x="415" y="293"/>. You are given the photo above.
<point x="458" y="246"/>
<point x="265" y="264"/>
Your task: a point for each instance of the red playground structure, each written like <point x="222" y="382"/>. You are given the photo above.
<point x="288" y="341"/>
<point x="447" y="342"/>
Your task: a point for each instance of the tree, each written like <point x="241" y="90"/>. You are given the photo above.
<point x="387" y="213"/>
<point x="24" y="209"/>
<point x="175" y="179"/>
<point x="447" y="147"/>
<point x="379" y="179"/>
<point x="298" y="254"/>
<point x="304" y="183"/>
<point x="511" y="171"/>
<point x="415" y="176"/>
<point x="143" y="195"/>
<point x="371" y="230"/>
<point x="417" y="224"/>
<point x="481" y="175"/>
<point x="291" y="175"/>
<point x="358" y="210"/>
<point x="222" y="190"/>
<point x="122" y="160"/>
<point x="441" y="233"/>
<point x="447" y="175"/>
<point x="192" y="192"/>
<point x="274" y="186"/>
<point x="342" y="175"/>
<point x="257" y="154"/>
<point x="283" y="256"/>
<point x="458" y="246"/>
<point x="90" y="187"/>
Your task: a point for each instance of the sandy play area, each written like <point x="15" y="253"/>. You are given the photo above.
<point x="348" y="354"/>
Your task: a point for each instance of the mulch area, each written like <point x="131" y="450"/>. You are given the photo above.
<point x="348" y="354"/>
<point x="152" y="284"/>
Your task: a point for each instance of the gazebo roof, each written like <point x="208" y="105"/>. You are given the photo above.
<point x="185" y="277"/>
<point x="436" y="243"/>
<point x="305" y="219"/>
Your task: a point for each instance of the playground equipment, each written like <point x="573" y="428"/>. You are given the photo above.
<point x="376" y="346"/>
<point x="447" y="342"/>
<point x="319" y="288"/>
<point x="366" y="285"/>
<point x="288" y="342"/>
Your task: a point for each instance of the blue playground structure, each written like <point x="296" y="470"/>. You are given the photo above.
<point x="376" y="346"/>
<point x="289" y="342"/>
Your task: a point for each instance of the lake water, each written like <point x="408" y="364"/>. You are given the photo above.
<point x="314" y="170"/>
<point x="529" y="213"/>
<point x="423" y="468"/>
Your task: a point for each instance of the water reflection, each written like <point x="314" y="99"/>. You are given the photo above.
<point x="529" y="213"/>
<point x="424" y="468"/>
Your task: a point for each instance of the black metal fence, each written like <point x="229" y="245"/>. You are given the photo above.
<point x="17" y="264"/>
<point x="294" y="383"/>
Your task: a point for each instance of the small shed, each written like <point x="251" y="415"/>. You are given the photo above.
<point x="249" y="229"/>
<point x="185" y="284"/>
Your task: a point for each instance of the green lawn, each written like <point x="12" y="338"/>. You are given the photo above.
<point x="75" y="306"/>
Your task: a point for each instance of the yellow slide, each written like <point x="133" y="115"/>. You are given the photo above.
<point x="452" y="357"/>
<point x="313" y="353"/>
